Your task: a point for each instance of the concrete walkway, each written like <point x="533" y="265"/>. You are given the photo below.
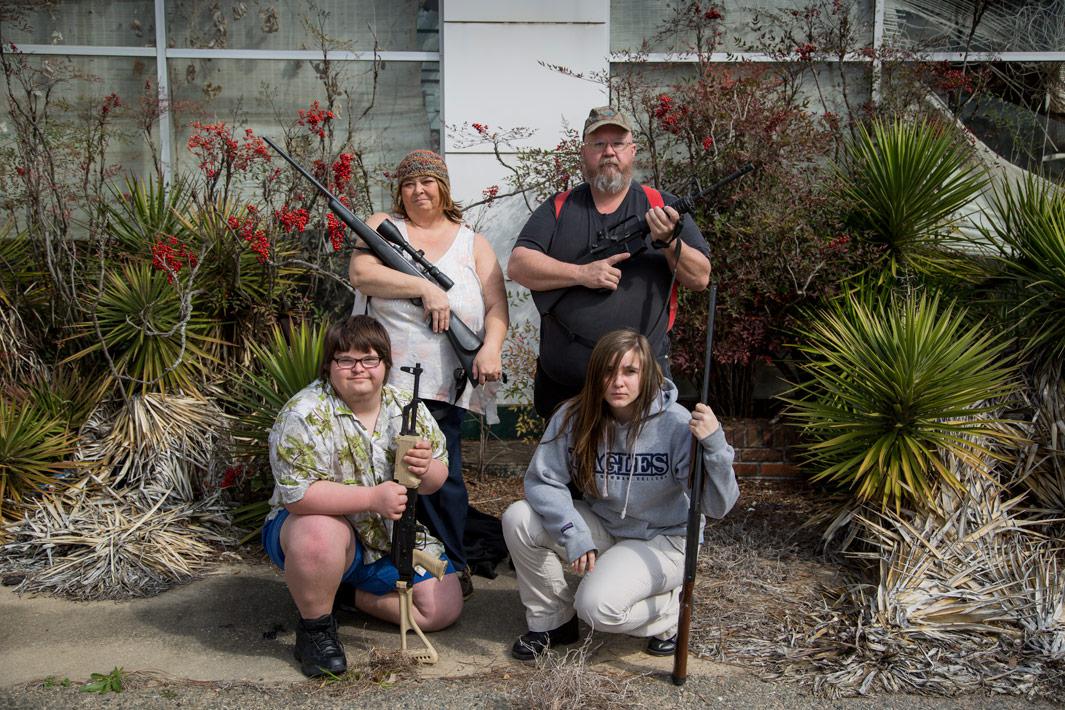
<point x="238" y="625"/>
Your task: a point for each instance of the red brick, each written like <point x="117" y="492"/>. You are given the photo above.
<point x="780" y="470"/>
<point x="746" y="470"/>
<point x="761" y="455"/>
<point x="735" y="432"/>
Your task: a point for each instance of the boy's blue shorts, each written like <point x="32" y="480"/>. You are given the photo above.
<point x="376" y="578"/>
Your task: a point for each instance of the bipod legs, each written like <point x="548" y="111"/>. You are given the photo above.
<point x="407" y="623"/>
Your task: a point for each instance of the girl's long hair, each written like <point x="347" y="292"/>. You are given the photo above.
<point x="589" y="417"/>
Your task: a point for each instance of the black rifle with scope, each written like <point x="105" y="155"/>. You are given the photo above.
<point x="388" y="245"/>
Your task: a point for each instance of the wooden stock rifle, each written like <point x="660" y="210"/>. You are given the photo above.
<point x="691" y="549"/>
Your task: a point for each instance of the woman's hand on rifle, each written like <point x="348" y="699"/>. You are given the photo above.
<point x="703" y="422"/>
<point x="488" y="365"/>
<point x="437" y="307"/>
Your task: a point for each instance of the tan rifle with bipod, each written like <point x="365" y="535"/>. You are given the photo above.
<point x="405" y="550"/>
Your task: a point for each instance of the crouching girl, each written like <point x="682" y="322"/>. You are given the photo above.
<point x="625" y="444"/>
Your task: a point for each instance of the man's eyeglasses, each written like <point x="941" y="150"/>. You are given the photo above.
<point x="600" y="146"/>
<point x="368" y="362"/>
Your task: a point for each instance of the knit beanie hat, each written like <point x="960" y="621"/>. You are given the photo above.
<point x="422" y="162"/>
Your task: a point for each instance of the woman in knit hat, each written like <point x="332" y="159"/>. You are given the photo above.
<point x="427" y="216"/>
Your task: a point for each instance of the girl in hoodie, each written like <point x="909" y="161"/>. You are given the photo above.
<point x="625" y="443"/>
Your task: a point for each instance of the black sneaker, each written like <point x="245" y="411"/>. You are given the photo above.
<point x="532" y="643"/>
<point x="317" y="647"/>
<point x="662" y="647"/>
<point x="466" y="582"/>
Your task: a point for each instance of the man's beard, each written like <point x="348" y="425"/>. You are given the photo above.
<point x="611" y="182"/>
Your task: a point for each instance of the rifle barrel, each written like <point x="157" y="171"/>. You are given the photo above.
<point x="691" y="547"/>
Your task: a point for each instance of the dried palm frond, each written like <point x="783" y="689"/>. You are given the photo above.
<point x="17" y="360"/>
<point x="100" y="543"/>
<point x="1041" y="467"/>
<point x="966" y="597"/>
<point x="161" y="444"/>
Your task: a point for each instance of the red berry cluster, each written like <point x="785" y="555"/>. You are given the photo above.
<point x="315" y="118"/>
<point x="292" y="221"/>
<point x="171" y="255"/>
<point x="217" y="148"/>
<point x="247" y="229"/>
<point x="232" y="476"/>
<point x="481" y="128"/>
<point x="490" y="192"/>
<point x="708" y="143"/>
<point x="713" y="14"/>
<point x="837" y="245"/>
<point x="670" y="115"/>
<point x="342" y="170"/>
<point x="110" y="102"/>
<point x="806" y="51"/>
<point x="954" y="79"/>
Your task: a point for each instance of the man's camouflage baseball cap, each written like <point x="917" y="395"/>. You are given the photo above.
<point x="605" y="116"/>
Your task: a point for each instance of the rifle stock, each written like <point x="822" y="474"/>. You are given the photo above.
<point x="463" y="340"/>
<point x="691" y="549"/>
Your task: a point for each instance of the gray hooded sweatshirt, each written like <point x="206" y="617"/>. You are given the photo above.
<point x="643" y="493"/>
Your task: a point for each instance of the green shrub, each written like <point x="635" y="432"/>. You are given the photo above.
<point x="892" y="391"/>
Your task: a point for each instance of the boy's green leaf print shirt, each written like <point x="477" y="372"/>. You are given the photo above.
<point x="316" y="437"/>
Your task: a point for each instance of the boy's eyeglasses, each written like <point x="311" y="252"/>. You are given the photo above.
<point x="368" y="362"/>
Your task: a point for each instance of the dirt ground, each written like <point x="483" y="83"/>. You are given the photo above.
<point x="761" y="570"/>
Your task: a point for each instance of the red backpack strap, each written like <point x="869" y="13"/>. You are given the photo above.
<point x="654" y="197"/>
<point x="560" y="199"/>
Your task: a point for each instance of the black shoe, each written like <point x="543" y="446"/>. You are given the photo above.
<point x="662" y="647"/>
<point x="317" y="647"/>
<point x="466" y="582"/>
<point x="531" y="644"/>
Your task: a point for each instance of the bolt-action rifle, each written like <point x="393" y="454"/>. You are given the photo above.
<point x="405" y="550"/>
<point x="691" y="549"/>
<point x="632" y="235"/>
<point x="388" y="245"/>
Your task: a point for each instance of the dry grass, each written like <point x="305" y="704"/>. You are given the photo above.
<point x="961" y="600"/>
<point x="569" y="681"/>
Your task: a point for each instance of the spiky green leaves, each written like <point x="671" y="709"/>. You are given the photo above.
<point x="905" y="185"/>
<point x="283" y="366"/>
<point x="1030" y="235"/>
<point x="155" y="342"/>
<point x="35" y="448"/>
<point x="893" y="389"/>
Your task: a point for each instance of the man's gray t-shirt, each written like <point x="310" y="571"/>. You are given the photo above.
<point x="641" y="301"/>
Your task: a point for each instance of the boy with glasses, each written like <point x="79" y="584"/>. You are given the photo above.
<point x="579" y="303"/>
<point x="332" y="452"/>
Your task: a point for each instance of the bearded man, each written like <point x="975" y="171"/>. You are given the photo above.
<point x="579" y="302"/>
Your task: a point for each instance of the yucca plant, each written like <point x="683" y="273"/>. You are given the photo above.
<point x="1029" y="233"/>
<point x="891" y="390"/>
<point x="236" y="280"/>
<point x="154" y="341"/>
<point x="35" y="450"/>
<point x="906" y="184"/>
<point x="147" y="211"/>
<point x="283" y="366"/>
